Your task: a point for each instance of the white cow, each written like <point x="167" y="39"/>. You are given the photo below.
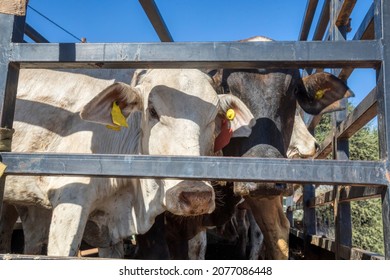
<point x="169" y="112"/>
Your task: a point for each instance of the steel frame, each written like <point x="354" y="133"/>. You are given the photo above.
<point x="332" y="54"/>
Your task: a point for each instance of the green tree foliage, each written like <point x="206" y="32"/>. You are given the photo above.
<point x="367" y="229"/>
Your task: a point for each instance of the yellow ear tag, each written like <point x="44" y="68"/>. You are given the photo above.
<point x="116" y="128"/>
<point x="230" y="114"/>
<point x="2" y="168"/>
<point x="117" y="117"/>
<point x="319" y="94"/>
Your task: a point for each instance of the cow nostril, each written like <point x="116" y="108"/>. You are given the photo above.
<point x="184" y="198"/>
<point x="193" y="198"/>
<point x="317" y="146"/>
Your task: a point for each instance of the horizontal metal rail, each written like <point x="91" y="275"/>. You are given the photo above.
<point x="346" y="252"/>
<point x="284" y="54"/>
<point x="198" y="168"/>
<point x="346" y="194"/>
<point x="329" y="244"/>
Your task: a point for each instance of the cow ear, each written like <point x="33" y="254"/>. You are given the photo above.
<point x="242" y="121"/>
<point x="320" y="90"/>
<point x="117" y="96"/>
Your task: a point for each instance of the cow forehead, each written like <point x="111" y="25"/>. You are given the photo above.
<point x="261" y="91"/>
<point x="190" y="81"/>
<point x="180" y="93"/>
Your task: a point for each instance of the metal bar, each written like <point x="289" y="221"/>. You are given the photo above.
<point x="199" y="55"/>
<point x="156" y="20"/>
<point x="198" y="168"/>
<point x="309" y="216"/>
<point x="325" y="243"/>
<point x="34" y="35"/>
<point x="366" y="28"/>
<point x="322" y="199"/>
<point x="311" y="7"/>
<point x="382" y="30"/>
<point x="359" y="193"/>
<point x="322" y="22"/>
<point x="346" y="252"/>
<point x="297" y="233"/>
<point x="11" y="31"/>
<point x="360" y="254"/>
<point x="339" y="20"/>
<point x="347" y="194"/>
<point x="344" y="11"/>
<point x="359" y="117"/>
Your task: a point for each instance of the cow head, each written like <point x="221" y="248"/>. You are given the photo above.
<point x="272" y="95"/>
<point x="180" y="110"/>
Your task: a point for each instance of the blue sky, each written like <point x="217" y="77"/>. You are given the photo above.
<point x="187" y="20"/>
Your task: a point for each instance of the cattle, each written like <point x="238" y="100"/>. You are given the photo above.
<point x="272" y="95"/>
<point x="167" y="112"/>
<point x="242" y="229"/>
<point x="186" y="237"/>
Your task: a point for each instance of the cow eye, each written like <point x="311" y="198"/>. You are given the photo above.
<point x="153" y="113"/>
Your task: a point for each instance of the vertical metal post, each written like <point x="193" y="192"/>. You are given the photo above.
<point x="11" y="30"/>
<point x="309" y="216"/>
<point x="343" y="221"/>
<point x="342" y="211"/>
<point x="382" y="32"/>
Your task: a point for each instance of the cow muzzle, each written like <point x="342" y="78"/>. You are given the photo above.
<point x="190" y="198"/>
